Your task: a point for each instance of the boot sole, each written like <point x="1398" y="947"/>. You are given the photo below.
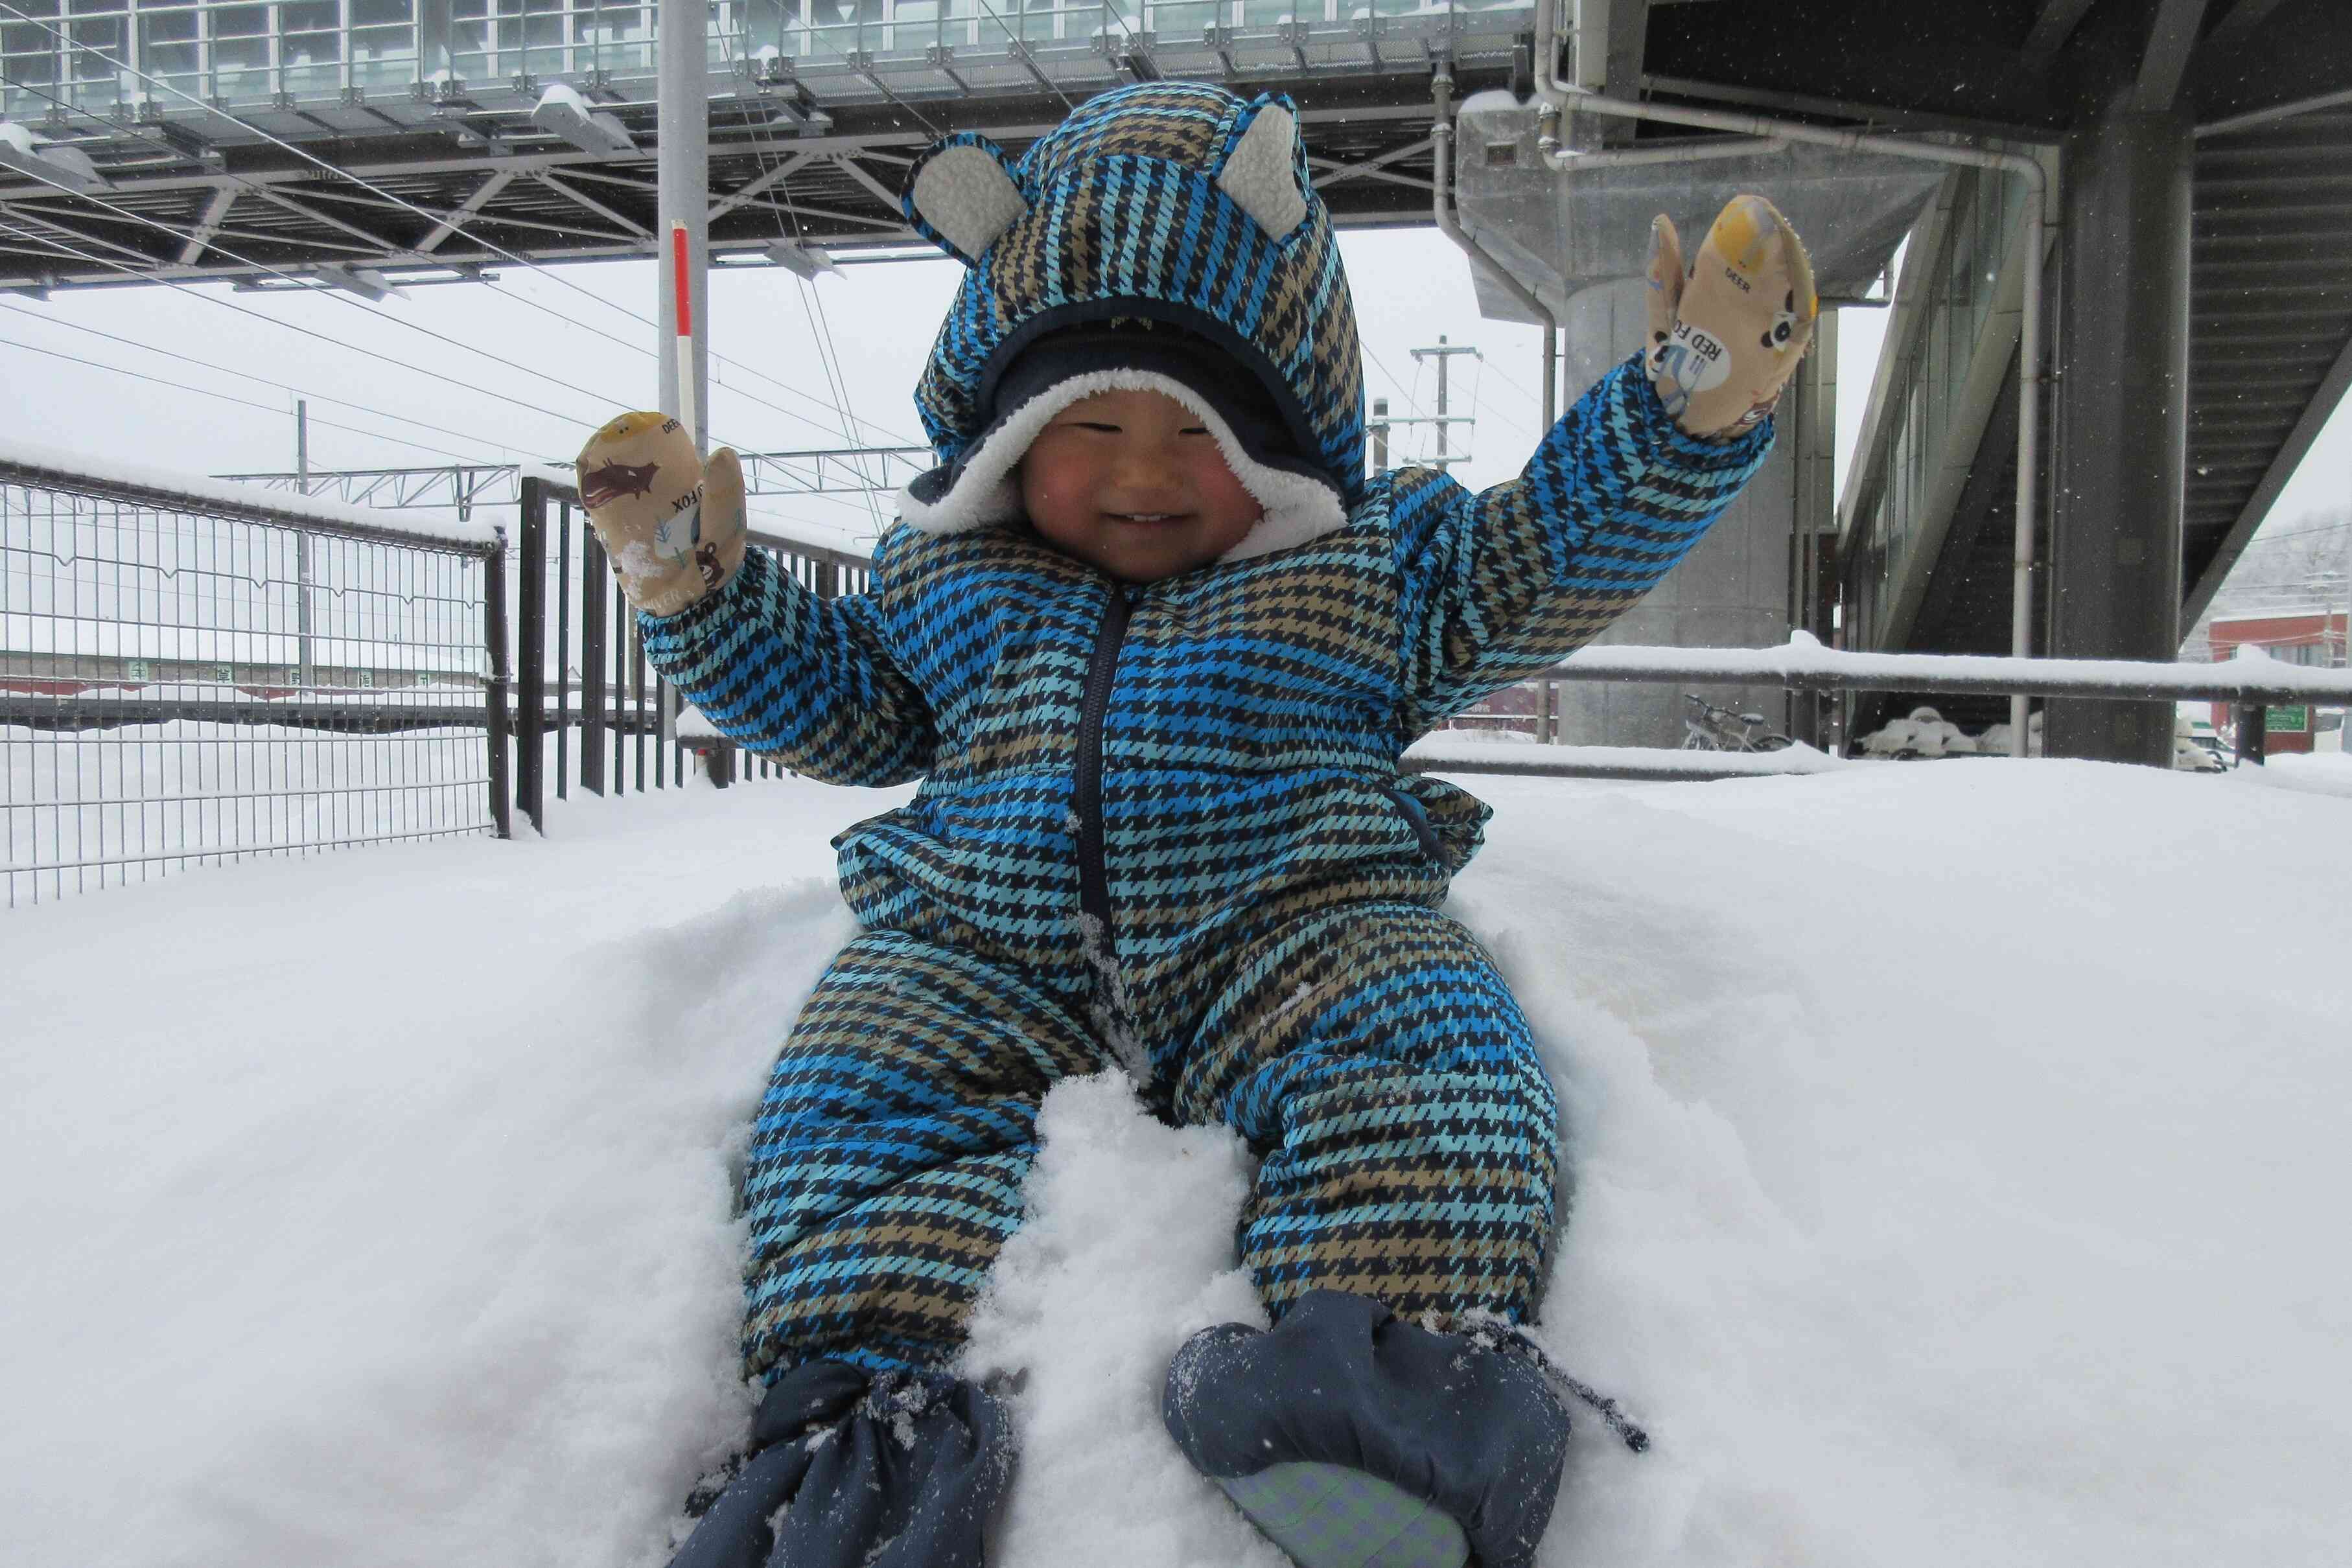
<point x="1328" y="1516"/>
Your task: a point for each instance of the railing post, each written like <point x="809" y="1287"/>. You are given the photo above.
<point x="530" y="655"/>
<point x="564" y="651"/>
<point x="624" y="630"/>
<point x="494" y="684"/>
<point x="592" y="663"/>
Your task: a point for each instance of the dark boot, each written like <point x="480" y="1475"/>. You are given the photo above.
<point x="851" y="1470"/>
<point x="1355" y="1439"/>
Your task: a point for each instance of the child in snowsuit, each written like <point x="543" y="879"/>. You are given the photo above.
<point x="1155" y="644"/>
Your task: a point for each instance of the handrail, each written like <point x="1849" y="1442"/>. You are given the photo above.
<point x="1803" y="664"/>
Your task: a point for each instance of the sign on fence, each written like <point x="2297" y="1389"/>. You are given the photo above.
<point x="2295" y="720"/>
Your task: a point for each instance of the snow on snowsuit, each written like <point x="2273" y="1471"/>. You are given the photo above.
<point x="1164" y="826"/>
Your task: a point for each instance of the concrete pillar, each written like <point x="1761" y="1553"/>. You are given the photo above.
<point x="682" y="166"/>
<point x="1731" y="591"/>
<point x="2121" y="426"/>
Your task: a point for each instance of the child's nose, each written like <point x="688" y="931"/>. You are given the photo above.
<point x="1145" y="462"/>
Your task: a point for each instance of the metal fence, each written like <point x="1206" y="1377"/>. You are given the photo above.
<point x="583" y="683"/>
<point x="188" y="677"/>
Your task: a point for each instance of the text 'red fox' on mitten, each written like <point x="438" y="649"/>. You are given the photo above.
<point x="1724" y="340"/>
<point x="675" y="531"/>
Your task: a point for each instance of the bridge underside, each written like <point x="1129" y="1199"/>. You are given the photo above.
<point x="810" y="149"/>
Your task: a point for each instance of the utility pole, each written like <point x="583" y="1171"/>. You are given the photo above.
<point x="302" y="665"/>
<point x="1380" y="434"/>
<point x="1444" y="355"/>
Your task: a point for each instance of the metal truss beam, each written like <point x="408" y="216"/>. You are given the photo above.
<point x="207" y="226"/>
<point x="461" y="174"/>
<point x="483" y="193"/>
<point x="620" y="220"/>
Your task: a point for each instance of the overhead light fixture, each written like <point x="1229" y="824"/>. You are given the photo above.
<point x="806" y="261"/>
<point x="563" y="113"/>
<point x="364" y="281"/>
<point x="57" y="163"/>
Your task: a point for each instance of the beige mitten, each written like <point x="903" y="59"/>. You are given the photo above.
<point x="1724" y="343"/>
<point x="675" y="531"/>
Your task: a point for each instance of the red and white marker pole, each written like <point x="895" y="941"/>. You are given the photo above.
<point x="682" y="282"/>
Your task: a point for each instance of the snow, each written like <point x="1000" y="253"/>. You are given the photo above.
<point x="1959" y="1169"/>
<point x="110" y="470"/>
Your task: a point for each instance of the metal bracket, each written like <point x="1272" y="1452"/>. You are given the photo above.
<point x="941" y="57"/>
<point x="1294" y="34"/>
<point x="1015" y="49"/>
<point x="1130" y="52"/>
<point x="1219" y="41"/>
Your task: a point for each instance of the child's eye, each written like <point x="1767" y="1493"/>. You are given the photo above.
<point x="1092" y="425"/>
<point x="1194" y="430"/>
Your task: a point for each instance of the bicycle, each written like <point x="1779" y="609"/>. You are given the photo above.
<point x="1710" y="728"/>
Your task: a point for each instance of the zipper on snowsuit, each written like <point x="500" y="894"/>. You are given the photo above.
<point x="1093" y="876"/>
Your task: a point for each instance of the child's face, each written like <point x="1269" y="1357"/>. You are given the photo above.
<point x="1131" y="483"/>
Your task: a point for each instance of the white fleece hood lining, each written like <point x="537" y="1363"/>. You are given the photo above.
<point x="1297" y="509"/>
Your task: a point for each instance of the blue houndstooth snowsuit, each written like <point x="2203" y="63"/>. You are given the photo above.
<point x="1165" y="825"/>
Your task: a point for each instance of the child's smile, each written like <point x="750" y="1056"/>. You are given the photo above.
<point x="1132" y="482"/>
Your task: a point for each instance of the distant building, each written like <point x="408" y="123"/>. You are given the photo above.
<point x="2313" y="638"/>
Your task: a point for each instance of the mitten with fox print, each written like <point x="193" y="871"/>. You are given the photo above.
<point x="673" y="528"/>
<point x="1724" y="339"/>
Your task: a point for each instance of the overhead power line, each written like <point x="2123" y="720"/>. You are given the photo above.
<point x="62" y="248"/>
<point x="248" y="375"/>
<point x="450" y="219"/>
<point x="225" y="397"/>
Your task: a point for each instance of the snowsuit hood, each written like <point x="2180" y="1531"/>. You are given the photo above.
<point x="1161" y="205"/>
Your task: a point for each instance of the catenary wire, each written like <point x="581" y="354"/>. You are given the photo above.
<point x="60" y="247"/>
<point x="456" y="227"/>
<point x="68" y="250"/>
<point x="341" y="297"/>
<point x="248" y="375"/>
<point x="224" y="397"/>
<point x="450" y="219"/>
<point x="828" y="356"/>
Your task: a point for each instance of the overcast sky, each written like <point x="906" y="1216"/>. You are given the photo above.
<point x="526" y="366"/>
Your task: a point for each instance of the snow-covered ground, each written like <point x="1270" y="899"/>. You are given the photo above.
<point x="1959" y="1152"/>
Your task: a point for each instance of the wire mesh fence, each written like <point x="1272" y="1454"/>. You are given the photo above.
<point x="188" y="680"/>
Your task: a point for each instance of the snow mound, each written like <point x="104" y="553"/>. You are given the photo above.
<point x="1944" y="1194"/>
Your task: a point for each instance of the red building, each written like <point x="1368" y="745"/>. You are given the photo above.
<point x="2313" y="638"/>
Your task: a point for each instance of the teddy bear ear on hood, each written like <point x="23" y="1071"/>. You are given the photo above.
<point x="1265" y="168"/>
<point x="961" y="196"/>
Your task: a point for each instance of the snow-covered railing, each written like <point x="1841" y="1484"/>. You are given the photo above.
<point x="2250" y="681"/>
<point x="194" y="671"/>
<point x="1803" y="664"/>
